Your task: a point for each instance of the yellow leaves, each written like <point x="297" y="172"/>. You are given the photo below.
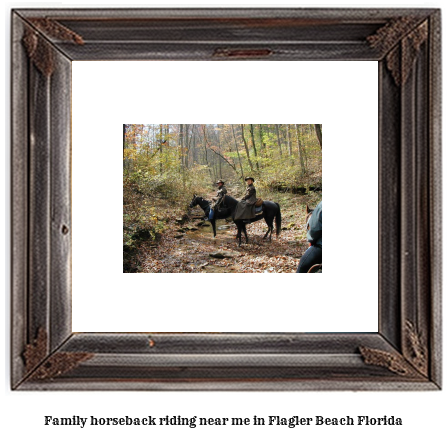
<point x="130" y="154"/>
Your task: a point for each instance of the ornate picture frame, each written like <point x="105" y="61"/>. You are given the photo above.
<point x="405" y="353"/>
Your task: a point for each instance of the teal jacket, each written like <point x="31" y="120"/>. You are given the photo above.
<point x="314" y="235"/>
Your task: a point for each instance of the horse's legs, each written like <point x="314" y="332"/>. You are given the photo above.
<point x="268" y="227"/>
<point x="244" y="229"/>
<point x="239" y="232"/>
<point x="269" y="222"/>
<point x="213" y="223"/>
<point x="266" y="234"/>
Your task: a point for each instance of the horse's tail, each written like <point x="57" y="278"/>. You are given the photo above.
<point x="278" y="220"/>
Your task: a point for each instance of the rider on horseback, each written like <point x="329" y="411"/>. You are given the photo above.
<point x="221" y="192"/>
<point x="313" y="254"/>
<point x="246" y="207"/>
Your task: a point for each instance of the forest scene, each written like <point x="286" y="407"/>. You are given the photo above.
<point x="170" y="169"/>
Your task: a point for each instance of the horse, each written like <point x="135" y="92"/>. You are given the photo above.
<point x="222" y="213"/>
<point x="270" y="211"/>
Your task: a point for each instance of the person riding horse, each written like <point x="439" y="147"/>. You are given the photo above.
<point x="313" y="255"/>
<point x="270" y="211"/>
<point x="246" y="207"/>
<point x="221" y="192"/>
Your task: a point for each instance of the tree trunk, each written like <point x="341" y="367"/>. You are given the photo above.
<point x="146" y="139"/>
<point x="154" y="138"/>
<point x="186" y="147"/>
<point x="278" y="139"/>
<point x="124" y="146"/>
<point x="124" y="136"/>
<point x="181" y="141"/>
<point x="220" y="151"/>
<point x="194" y="145"/>
<point x="206" y="152"/>
<point x="303" y="145"/>
<point x="254" y="145"/>
<point x="180" y="144"/>
<point x="289" y="144"/>
<point x="246" y="148"/>
<point x="167" y="133"/>
<point x="319" y="135"/>
<point x="261" y="140"/>
<point x="303" y="168"/>
<point x="267" y="127"/>
<point x="161" y="149"/>
<point x="237" y="150"/>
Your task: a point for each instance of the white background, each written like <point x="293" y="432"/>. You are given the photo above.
<point x="423" y="413"/>
<point x="347" y="106"/>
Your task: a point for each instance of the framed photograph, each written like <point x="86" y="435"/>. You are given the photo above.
<point x="49" y="352"/>
<point x="182" y="182"/>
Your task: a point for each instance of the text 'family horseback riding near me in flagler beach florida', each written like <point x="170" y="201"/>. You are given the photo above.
<point x="197" y="421"/>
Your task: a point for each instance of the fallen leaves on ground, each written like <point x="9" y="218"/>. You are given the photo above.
<point x="191" y="253"/>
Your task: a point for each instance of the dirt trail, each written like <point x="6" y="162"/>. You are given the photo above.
<point x="202" y="243"/>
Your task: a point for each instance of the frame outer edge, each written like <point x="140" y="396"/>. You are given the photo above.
<point x="277" y="385"/>
<point x="19" y="200"/>
<point x="349" y="13"/>
<point x="435" y="138"/>
<point x="23" y="328"/>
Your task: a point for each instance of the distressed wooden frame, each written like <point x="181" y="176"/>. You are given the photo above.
<point x="405" y="354"/>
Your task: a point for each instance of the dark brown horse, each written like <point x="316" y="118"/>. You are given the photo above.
<point x="205" y="205"/>
<point x="270" y="211"/>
